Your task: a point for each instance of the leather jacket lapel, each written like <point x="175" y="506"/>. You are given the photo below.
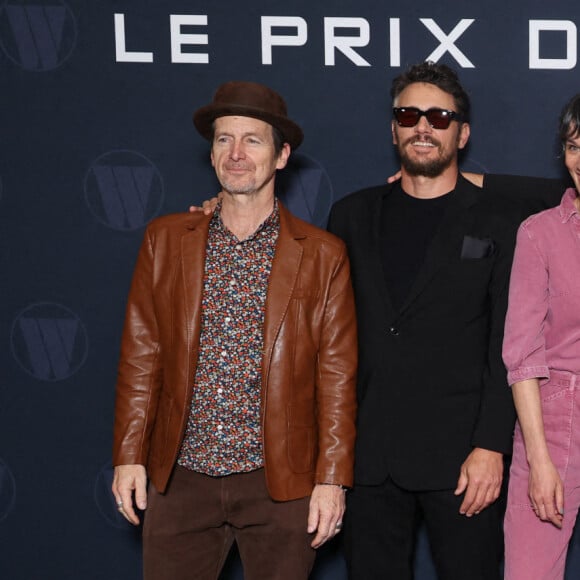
<point x="285" y="268"/>
<point x="193" y="250"/>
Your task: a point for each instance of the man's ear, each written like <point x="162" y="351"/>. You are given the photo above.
<point x="283" y="156"/>
<point x="464" y="133"/>
<point x="394" y="133"/>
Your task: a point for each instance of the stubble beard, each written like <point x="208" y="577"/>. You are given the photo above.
<point x="430" y="168"/>
<point x="246" y="187"/>
<point x="241" y="189"/>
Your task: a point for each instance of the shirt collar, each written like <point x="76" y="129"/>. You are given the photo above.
<point x="270" y="225"/>
<point x="567" y="205"/>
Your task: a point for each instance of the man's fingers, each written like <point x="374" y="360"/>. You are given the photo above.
<point x="478" y="498"/>
<point x="327" y="529"/>
<point x="125" y="506"/>
<point x="312" y="520"/>
<point x="319" y="539"/>
<point x="141" y="497"/>
<point x="461" y="484"/>
<point x="129" y="514"/>
<point x="321" y="528"/>
<point x="325" y="513"/>
<point x="326" y="533"/>
<point x="468" y="500"/>
<point x="209" y="205"/>
<point x="480" y="478"/>
<point x="129" y="480"/>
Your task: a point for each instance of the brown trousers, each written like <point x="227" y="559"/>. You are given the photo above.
<point x="190" y="529"/>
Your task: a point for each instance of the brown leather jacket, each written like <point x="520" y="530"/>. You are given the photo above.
<point x="309" y="361"/>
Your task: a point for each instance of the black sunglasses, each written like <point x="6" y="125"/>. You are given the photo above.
<point x="437" y="118"/>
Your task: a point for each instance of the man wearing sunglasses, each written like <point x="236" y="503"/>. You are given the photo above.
<point x="430" y="256"/>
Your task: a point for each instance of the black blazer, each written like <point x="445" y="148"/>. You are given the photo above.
<point x="431" y="381"/>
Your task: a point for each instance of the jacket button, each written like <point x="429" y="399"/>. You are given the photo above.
<point x="394" y="330"/>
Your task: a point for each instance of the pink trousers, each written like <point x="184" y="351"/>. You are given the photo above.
<point x="536" y="550"/>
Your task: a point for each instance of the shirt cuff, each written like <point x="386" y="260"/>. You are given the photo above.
<point x="525" y="373"/>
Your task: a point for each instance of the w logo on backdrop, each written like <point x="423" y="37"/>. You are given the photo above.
<point x="305" y="189"/>
<point x="38" y="35"/>
<point x="124" y="190"/>
<point x="49" y="341"/>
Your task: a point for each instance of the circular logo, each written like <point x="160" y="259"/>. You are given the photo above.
<point x="49" y="341"/>
<point x="7" y="490"/>
<point x="37" y="35"/>
<point x="105" y="499"/>
<point x="123" y="190"/>
<point x="305" y="189"/>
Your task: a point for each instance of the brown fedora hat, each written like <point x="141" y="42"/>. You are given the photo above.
<point x="248" y="99"/>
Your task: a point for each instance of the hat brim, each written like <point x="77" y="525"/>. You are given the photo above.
<point x="203" y="120"/>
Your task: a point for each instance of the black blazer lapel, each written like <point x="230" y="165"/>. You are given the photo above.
<point x="373" y="245"/>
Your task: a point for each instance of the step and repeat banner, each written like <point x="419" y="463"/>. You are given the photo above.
<point x="96" y="139"/>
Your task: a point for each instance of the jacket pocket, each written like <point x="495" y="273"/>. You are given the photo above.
<point x="301" y="426"/>
<point x="477" y="248"/>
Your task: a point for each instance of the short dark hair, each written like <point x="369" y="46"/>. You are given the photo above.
<point x="442" y="77"/>
<point x="570" y="120"/>
<point x="277" y="137"/>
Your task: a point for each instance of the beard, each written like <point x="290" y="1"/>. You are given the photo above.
<point x="238" y="188"/>
<point x="426" y="168"/>
<point x="249" y="184"/>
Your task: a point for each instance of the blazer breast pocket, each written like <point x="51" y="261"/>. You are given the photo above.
<point x="477" y="248"/>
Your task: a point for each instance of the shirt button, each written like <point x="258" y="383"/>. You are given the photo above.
<point x="394" y="330"/>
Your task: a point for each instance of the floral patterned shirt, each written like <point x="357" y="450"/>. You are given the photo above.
<point x="223" y="434"/>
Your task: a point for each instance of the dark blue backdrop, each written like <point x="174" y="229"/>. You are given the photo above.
<point x="96" y="139"/>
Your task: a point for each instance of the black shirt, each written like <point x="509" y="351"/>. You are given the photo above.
<point x="408" y="225"/>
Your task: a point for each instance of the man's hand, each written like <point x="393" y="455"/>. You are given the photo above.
<point x="475" y="178"/>
<point x="394" y="177"/>
<point x="326" y="511"/>
<point x="546" y="493"/>
<point x="207" y="206"/>
<point x="129" y="479"/>
<point x="480" y="478"/>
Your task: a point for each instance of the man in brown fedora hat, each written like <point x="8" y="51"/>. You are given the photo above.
<point x="235" y="393"/>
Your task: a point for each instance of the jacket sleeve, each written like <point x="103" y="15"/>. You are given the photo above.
<point x="532" y="194"/>
<point x="140" y="370"/>
<point x="524" y="348"/>
<point x="336" y="381"/>
<point x="496" y="418"/>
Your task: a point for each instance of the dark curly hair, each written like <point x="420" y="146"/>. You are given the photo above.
<point x="439" y="75"/>
<point x="570" y="120"/>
